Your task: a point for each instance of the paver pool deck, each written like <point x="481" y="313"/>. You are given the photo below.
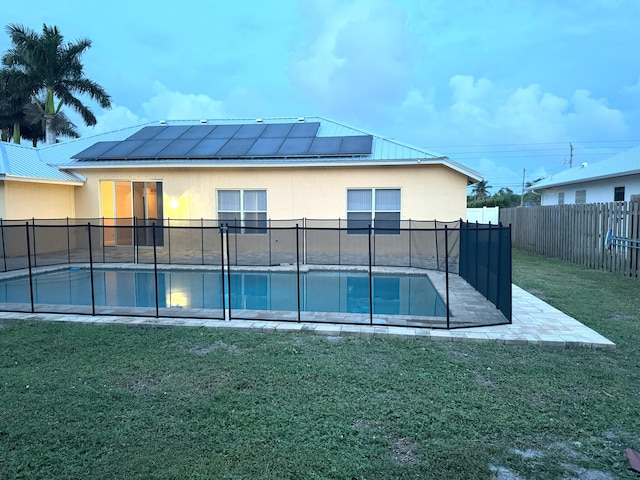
<point x="533" y="322"/>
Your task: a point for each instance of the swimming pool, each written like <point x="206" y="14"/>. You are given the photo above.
<point x="189" y="290"/>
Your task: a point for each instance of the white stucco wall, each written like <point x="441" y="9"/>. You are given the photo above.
<point x="599" y="191"/>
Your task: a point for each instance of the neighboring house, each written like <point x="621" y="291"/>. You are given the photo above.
<point x="615" y="179"/>
<point x="250" y="170"/>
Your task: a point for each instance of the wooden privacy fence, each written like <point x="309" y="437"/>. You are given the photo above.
<point x="604" y="236"/>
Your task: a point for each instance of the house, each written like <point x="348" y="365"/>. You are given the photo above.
<point x="616" y="179"/>
<point x="249" y="170"/>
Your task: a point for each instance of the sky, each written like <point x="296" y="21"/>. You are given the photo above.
<point x="501" y="86"/>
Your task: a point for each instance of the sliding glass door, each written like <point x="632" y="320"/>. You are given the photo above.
<point x="127" y="204"/>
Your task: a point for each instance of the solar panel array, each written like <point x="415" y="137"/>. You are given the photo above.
<point x="279" y="140"/>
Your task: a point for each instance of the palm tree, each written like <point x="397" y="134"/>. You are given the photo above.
<point x="14" y="95"/>
<point x="481" y="190"/>
<point x="54" y="69"/>
<point x="35" y="125"/>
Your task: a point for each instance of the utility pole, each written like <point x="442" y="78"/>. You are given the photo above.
<point x="570" y="155"/>
<point x="522" y="194"/>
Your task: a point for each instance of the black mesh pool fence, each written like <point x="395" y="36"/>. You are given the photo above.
<point x="479" y="254"/>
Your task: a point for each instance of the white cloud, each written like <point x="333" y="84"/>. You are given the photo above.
<point x="114" y="119"/>
<point x="358" y="57"/>
<point x="166" y="104"/>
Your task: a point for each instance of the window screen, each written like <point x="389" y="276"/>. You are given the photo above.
<point x="378" y="207"/>
<point x="243" y="208"/>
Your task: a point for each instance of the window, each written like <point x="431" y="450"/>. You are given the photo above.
<point x="581" y="197"/>
<point x="378" y="207"/>
<point x="560" y="198"/>
<point x="243" y="208"/>
<point x="618" y="194"/>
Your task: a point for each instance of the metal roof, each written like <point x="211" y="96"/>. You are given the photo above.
<point x="58" y="158"/>
<point x="622" y="164"/>
<point x="21" y="163"/>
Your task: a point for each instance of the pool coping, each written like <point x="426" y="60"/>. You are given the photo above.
<point x="534" y="322"/>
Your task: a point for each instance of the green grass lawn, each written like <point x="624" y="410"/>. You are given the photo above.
<point x="95" y="401"/>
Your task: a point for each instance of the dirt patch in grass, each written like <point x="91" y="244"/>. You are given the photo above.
<point x="481" y="379"/>
<point x="202" y="350"/>
<point x="528" y="453"/>
<point x="503" y="473"/>
<point x="403" y="452"/>
<point x="143" y="385"/>
<point x="365" y="426"/>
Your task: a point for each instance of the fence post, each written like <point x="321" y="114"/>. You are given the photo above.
<point x="409" y="243"/>
<point x="135" y="240"/>
<point x="29" y="263"/>
<point x="499" y="269"/>
<point x="4" y="251"/>
<point x="446" y="269"/>
<point x="477" y="247"/>
<point x="269" y="237"/>
<point x="224" y="313"/>
<point x="370" y="283"/>
<point x="93" y="295"/>
<point x="510" y="277"/>
<point x="435" y="231"/>
<point x="202" y="239"/>
<point x="298" y="266"/>
<point x="488" y="259"/>
<point x="304" y="240"/>
<point x="68" y="243"/>
<point x="229" y="269"/>
<point x="155" y="265"/>
<point x="115" y="233"/>
<point x="339" y="241"/>
<point x="169" y="238"/>
<point x="35" y="250"/>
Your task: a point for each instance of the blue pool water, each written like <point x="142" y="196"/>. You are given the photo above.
<point x="321" y="291"/>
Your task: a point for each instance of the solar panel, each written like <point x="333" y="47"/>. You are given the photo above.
<point x="178" y="148"/>
<point x="224" y="131"/>
<point x="95" y="150"/>
<point x="265" y="147"/>
<point x="210" y="141"/>
<point x="356" y="145"/>
<point x="250" y="131"/>
<point x="197" y="132"/>
<point x="304" y="129"/>
<point x="295" y="146"/>
<point x="207" y="148"/>
<point x="149" y="149"/>
<point x="236" y="147"/>
<point x="325" y="146"/>
<point x="277" y="130"/>
<point x="172" y="133"/>
<point x="123" y="149"/>
<point x="147" y="133"/>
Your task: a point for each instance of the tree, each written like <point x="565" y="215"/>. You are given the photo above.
<point x="481" y="190"/>
<point x="34" y="123"/>
<point x="14" y="95"/>
<point x="54" y="70"/>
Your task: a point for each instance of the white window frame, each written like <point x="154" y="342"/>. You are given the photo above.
<point x="616" y="189"/>
<point x="242" y="211"/>
<point x="560" y="198"/>
<point x="581" y="192"/>
<point x="372" y="211"/>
